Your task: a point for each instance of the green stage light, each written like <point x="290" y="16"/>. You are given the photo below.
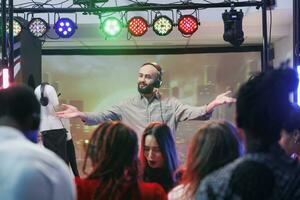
<point x="111" y="26"/>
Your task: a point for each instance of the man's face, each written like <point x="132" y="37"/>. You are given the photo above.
<point x="147" y="76"/>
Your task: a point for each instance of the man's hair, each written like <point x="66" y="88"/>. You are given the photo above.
<point x="19" y="103"/>
<point x="214" y="145"/>
<point x="263" y="104"/>
<point x="163" y="135"/>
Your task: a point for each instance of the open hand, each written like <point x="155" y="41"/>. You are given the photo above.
<point x="69" y="112"/>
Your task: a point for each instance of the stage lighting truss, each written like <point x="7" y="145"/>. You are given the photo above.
<point x="188" y="25"/>
<point x="65" y="27"/>
<point x="38" y="27"/>
<point x="137" y="26"/>
<point x="162" y="25"/>
<point x="111" y="27"/>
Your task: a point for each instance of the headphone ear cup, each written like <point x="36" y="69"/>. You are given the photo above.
<point x="158" y="82"/>
<point x="44" y="101"/>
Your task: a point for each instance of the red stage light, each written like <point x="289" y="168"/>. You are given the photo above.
<point x="137" y="26"/>
<point x="187" y="25"/>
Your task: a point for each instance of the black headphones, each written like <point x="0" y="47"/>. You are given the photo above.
<point x="43" y="100"/>
<point x="158" y="82"/>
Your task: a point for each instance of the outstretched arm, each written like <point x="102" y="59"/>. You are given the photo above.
<point x="220" y="100"/>
<point x="90" y="118"/>
<point x="71" y="112"/>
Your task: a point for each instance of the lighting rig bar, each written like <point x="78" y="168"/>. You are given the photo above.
<point x="141" y="7"/>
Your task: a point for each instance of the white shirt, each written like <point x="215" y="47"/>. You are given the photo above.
<point x="28" y="172"/>
<point x="49" y="121"/>
<point x="178" y="193"/>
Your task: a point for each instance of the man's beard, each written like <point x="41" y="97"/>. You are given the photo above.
<point x="147" y="89"/>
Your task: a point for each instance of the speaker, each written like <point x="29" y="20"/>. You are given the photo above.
<point x="43" y="100"/>
<point x="158" y="82"/>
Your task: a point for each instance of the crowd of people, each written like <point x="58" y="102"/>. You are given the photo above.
<point x="256" y="159"/>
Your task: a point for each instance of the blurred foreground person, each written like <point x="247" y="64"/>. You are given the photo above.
<point x="27" y="171"/>
<point x="214" y="145"/>
<point x="261" y="110"/>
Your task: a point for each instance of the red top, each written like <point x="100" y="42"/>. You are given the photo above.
<point x="148" y="191"/>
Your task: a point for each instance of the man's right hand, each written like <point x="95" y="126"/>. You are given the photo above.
<point x="70" y="112"/>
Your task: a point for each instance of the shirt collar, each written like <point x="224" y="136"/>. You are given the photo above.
<point x="157" y="95"/>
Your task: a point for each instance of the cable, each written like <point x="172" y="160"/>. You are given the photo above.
<point x="270" y="28"/>
<point x="161" y="112"/>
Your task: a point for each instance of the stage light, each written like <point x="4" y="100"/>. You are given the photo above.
<point x="38" y="27"/>
<point x="111" y="26"/>
<point x="137" y="26"/>
<point x="187" y="25"/>
<point x="65" y="27"/>
<point x="162" y="25"/>
<point x="233" y="32"/>
<point x="17" y="28"/>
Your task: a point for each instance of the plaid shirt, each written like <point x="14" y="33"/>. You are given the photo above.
<point x="216" y="185"/>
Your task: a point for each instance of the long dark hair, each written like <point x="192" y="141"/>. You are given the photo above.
<point x="163" y="135"/>
<point x="214" y="145"/>
<point x="113" y="151"/>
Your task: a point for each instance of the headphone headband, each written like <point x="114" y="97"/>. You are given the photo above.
<point x="155" y="65"/>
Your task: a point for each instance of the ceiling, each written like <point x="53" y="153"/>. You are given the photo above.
<point x="210" y="32"/>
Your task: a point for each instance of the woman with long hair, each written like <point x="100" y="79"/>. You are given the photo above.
<point x="113" y="151"/>
<point x="214" y="145"/>
<point x="158" y="155"/>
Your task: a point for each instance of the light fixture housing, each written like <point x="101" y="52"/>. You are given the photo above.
<point x="188" y="25"/>
<point x="38" y="27"/>
<point x="162" y="25"/>
<point x="65" y="27"/>
<point x="137" y="26"/>
<point x="17" y="27"/>
<point x="111" y="27"/>
<point x="233" y="29"/>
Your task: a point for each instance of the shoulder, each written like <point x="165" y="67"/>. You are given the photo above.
<point x="38" y="160"/>
<point x="130" y="100"/>
<point x="85" y="187"/>
<point x="177" y="192"/>
<point x="152" y="191"/>
<point x="216" y="183"/>
<point x="37" y="168"/>
<point x="86" y="182"/>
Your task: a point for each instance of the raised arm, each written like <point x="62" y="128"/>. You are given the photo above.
<point x="187" y="112"/>
<point x="220" y="100"/>
<point x="91" y="118"/>
<point x="71" y="112"/>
